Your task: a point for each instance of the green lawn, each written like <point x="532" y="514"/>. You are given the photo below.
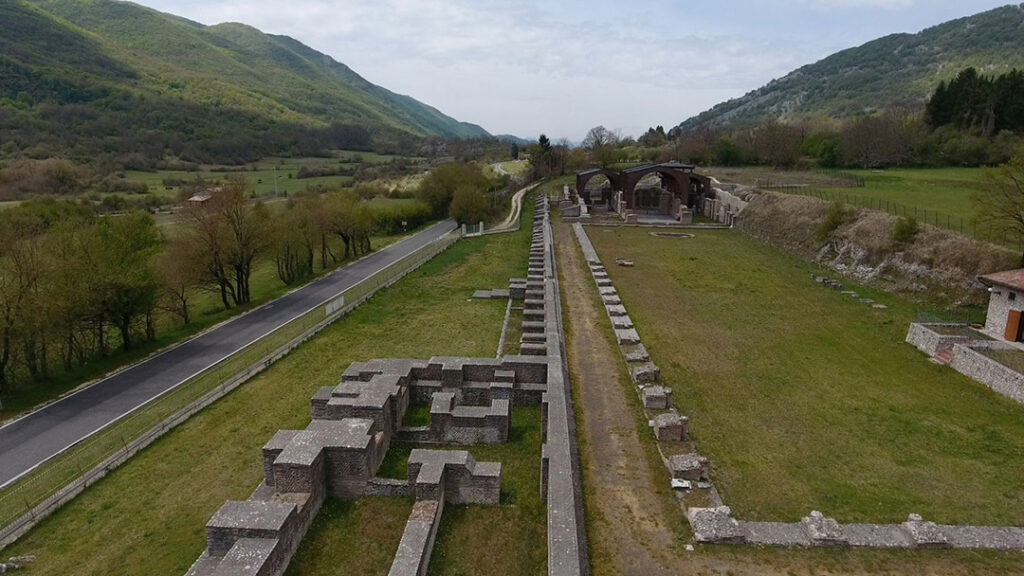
<point x="806" y="399"/>
<point x="148" y="516"/>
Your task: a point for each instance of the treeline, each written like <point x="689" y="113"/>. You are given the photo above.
<point x="973" y="120"/>
<point x="983" y="104"/>
<point x="76" y="286"/>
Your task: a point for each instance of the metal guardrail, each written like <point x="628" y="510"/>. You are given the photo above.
<point x="60" y="479"/>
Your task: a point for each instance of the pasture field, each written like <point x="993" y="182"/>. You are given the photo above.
<point x="807" y="399"/>
<point x="148" y="516"/>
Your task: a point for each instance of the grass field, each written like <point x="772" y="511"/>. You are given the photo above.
<point x="943" y="192"/>
<point x="148" y="516"/>
<point x="261" y="174"/>
<point x="806" y="399"/>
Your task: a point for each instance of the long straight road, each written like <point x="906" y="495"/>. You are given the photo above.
<point x="31" y="440"/>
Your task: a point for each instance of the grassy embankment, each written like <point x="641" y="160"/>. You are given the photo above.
<point x="148" y="516"/>
<point x="804" y="398"/>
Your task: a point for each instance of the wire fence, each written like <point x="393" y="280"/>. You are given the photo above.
<point x="966" y="316"/>
<point x="62" y="477"/>
<point x="959" y="224"/>
<point x="827" y="179"/>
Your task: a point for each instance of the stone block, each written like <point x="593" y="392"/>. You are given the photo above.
<point x="715" y="526"/>
<point x="690" y="466"/>
<point x="822" y="530"/>
<point x="671" y="427"/>
<point x="638" y="354"/>
<point x="627" y="337"/>
<point x="657" y="397"/>
<point x="413" y="555"/>
<point x="646" y="373"/>
<point x="533" y="349"/>
<point x="925" y="534"/>
<point x="622" y="322"/>
<point x="247" y="519"/>
<point x="615" y="310"/>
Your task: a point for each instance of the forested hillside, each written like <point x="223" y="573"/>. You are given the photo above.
<point x="99" y="78"/>
<point x="897" y="70"/>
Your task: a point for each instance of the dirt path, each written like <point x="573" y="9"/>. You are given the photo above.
<point x="633" y="527"/>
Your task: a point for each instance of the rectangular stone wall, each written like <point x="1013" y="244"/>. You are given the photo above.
<point x="931" y="342"/>
<point x="971" y="363"/>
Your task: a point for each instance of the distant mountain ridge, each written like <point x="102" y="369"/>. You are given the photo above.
<point x="899" y="69"/>
<point x="100" y="59"/>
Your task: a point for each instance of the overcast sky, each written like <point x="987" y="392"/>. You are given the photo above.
<point x="525" y="67"/>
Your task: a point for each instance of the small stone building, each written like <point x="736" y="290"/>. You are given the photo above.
<point x="1005" y="304"/>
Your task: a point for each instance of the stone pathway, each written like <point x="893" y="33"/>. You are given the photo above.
<point x="635" y="523"/>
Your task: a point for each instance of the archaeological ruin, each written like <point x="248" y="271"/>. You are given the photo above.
<point x="471" y="401"/>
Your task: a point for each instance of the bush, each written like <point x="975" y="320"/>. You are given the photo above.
<point x="834" y="218"/>
<point x="903" y="231"/>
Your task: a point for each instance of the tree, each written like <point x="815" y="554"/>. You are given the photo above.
<point x="1001" y="204"/>
<point x="232" y="235"/>
<point x="439" y="186"/>
<point x="469" y="205"/>
<point x="180" y="270"/>
<point x="124" y="248"/>
<point x="601" y="142"/>
<point x="599" y="136"/>
<point x="294" y="236"/>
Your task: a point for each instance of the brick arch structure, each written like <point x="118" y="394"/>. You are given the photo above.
<point x="582" y="178"/>
<point x="682" y="185"/>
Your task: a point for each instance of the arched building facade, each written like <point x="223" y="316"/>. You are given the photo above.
<point x="680" y="187"/>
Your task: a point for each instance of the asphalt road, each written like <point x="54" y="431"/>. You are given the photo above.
<point x="31" y="440"/>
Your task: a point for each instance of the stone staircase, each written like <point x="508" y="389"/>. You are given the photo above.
<point x="944" y="356"/>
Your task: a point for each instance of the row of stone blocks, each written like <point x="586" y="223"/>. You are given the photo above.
<point x="717" y="526"/>
<point x="535" y="305"/>
<point x="669" y="426"/>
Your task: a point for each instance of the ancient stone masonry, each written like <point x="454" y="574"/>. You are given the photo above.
<point x="471" y="401"/>
<point x="964" y="350"/>
<point x="689" y="470"/>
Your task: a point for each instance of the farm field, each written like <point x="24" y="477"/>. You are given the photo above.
<point x="136" y="519"/>
<point x="260" y="175"/>
<point x="806" y="399"/>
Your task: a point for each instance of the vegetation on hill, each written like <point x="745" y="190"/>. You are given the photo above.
<point x="900" y="70"/>
<point x="92" y="78"/>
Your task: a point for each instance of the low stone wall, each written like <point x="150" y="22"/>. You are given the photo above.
<point x="969" y="361"/>
<point x="926" y="339"/>
<point x="717" y="526"/>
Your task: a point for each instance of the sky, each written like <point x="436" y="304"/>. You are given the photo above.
<point x="560" y="68"/>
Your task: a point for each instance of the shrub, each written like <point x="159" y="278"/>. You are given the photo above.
<point x="834" y="218"/>
<point x="903" y="231"/>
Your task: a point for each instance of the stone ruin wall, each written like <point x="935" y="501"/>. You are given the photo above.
<point x="353" y="424"/>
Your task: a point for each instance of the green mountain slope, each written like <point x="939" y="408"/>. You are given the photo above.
<point x="127" y="78"/>
<point x="901" y="69"/>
